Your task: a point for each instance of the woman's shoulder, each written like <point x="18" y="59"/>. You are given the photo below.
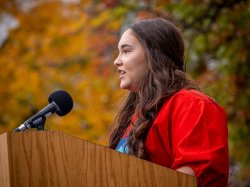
<point x="190" y="98"/>
<point x="187" y="95"/>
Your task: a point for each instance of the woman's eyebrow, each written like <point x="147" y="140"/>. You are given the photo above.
<point x="125" y="45"/>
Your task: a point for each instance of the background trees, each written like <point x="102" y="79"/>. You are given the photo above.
<point x="71" y="45"/>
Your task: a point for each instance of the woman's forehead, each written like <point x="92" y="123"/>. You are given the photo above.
<point x="128" y="38"/>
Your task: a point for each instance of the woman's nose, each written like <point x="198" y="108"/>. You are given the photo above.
<point x="117" y="61"/>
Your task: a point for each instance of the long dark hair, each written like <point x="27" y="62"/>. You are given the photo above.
<point x="164" y="76"/>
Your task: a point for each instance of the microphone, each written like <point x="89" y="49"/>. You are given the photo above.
<point x="60" y="102"/>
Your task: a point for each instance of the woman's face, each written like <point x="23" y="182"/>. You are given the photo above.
<point x="131" y="62"/>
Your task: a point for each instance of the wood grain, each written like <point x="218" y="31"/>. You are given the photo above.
<point x="4" y="161"/>
<point x="52" y="158"/>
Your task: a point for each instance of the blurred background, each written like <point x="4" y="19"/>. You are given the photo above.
<point x="47" y="45"/>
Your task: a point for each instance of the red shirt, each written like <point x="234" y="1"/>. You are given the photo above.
<point x="191" y="130"/>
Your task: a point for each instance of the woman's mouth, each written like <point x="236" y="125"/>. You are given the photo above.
<point x="121" y="72"/>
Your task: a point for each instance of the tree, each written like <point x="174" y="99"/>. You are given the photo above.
<point x="71" y="49"/>
<point x="72" y="46"/>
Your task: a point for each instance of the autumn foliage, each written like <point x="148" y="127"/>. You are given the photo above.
<point x="71" y="45"/>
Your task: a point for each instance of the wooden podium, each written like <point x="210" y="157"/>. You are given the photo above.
<point x="50" y="158"/>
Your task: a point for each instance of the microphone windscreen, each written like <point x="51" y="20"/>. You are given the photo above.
<point x="63" y="101"/>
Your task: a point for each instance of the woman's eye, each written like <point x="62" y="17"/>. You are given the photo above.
<point x="125" y="51"/>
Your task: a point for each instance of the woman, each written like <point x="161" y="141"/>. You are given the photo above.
<point x="165" y="118"/>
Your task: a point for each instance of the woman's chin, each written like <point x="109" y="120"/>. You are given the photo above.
<point x="128" y="88"/>
<point x="125" y="86"/>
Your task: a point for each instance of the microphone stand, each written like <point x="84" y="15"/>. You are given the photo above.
<point x="40" y="126"/>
